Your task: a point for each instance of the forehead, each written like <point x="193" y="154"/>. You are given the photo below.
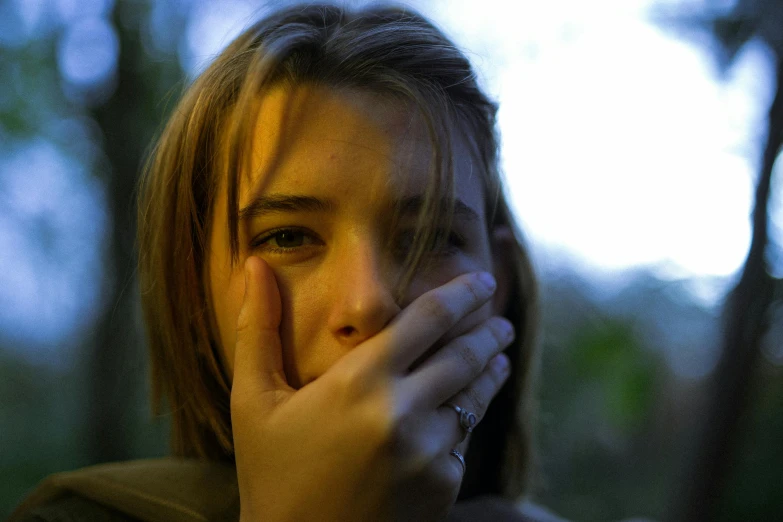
<point x="319" y="140"/>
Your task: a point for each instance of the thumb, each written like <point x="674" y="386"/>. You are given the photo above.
<point x="258" y="354"/>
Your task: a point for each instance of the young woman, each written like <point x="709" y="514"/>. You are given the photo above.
<point x="312" y="226"/>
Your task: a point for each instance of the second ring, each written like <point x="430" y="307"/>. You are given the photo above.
<point x="467" y="420"/>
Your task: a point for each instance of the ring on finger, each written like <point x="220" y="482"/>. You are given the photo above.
<point x="467" y="420"/>
<point x="458" y="456"/>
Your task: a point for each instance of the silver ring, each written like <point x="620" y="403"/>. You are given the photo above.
<point x="455" y="453"/>
<point x="467" y="419"/>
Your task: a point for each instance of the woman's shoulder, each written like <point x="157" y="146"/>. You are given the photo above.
<point x="186" y="490"/>
<point x="72" y="508"/>
<point x="167" y="489"/>
<point x="501" y="510"/>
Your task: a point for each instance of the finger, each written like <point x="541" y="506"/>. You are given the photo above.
<point x="258" y="357"/>
<point x="414" y="330"/>
<point x="456" y="463"/>
<point x="457" y="364"/>
<point x="439" y="431"/>
<point x="475" y="399"/>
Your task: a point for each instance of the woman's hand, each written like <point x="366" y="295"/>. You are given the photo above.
<point x="369" y="439"/>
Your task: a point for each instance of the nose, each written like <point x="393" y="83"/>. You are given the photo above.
<point x="363" y="295"/>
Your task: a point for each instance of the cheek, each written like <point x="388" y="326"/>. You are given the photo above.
<point x="308" y="350"/>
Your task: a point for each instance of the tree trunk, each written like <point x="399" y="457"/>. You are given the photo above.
<point x="745" y="320"/>
<point x="116" y="356"/>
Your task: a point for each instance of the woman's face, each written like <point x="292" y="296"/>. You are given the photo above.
<point x="347" y="153"/>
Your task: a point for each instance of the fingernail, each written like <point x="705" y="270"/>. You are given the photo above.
<point x="508" y="329"/>
<point x="488" y="280"/>
<point x="500" y="363"/>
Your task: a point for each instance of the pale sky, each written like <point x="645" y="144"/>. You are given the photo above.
<point x="620" y="144"/>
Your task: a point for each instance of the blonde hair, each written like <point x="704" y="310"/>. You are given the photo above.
<point x="386" y="50"/>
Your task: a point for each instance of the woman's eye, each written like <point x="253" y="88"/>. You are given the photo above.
<point x="453" y="245"/>
<point x="287" y="240"/>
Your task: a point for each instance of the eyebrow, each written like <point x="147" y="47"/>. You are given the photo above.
<point x="288" y="203"/>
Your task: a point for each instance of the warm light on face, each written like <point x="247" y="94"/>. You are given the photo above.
<point x="328" y="167"/>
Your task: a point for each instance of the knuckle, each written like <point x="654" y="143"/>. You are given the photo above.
<point x="477" y="401"/>
<point x="347" y="381"/>
<point x="439" y="312"/>
<point x="354" y="387"/>
<point x="405" y="444"/>
<point x="466" y="355"/>
<point x="477" y="294"/>
<point x="380" y="429"/>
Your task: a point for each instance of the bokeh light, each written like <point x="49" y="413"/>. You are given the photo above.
<point x="52" y="226"/>
<point x="212" y="25"/>
<point x="88" y="53"/>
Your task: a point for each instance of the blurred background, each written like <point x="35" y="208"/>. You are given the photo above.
<point x="640" y="144"/>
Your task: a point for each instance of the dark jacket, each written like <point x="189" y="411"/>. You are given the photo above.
<point x="181" y="490"/>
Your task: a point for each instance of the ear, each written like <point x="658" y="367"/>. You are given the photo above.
<point x="502" y="243"/>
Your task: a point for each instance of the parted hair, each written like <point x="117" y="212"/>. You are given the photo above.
<point x="388" y="50"/>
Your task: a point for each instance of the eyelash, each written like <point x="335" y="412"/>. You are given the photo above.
<point x="456" y="241"/>
<point x="257" y="243"/>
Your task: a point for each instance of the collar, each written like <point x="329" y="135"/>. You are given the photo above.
<point x="153" y="490"/>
